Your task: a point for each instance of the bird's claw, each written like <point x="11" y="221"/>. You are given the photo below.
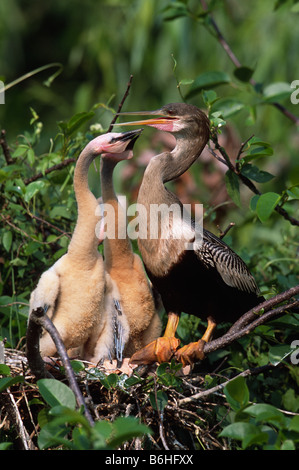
<point x="191" y="353"/>
<point x="160" y="350"/>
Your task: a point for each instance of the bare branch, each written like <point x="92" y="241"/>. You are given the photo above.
<point x="5" y="148"/>
<point x="58" y="166"/>
<point x="205" y="393"/>
<point x="34" y="330"/>
<point x="22" y="431"/>
<point x="37" y="321"/>
<point x="121" y="103"/>
<point x="246" y="181"/>
<point x="222" y="233"/>
<point x="250" y="320"/>
<point x="265" y="306"/>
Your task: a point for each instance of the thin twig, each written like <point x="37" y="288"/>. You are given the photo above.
<point x="7" y="221"/>
<point x="22" y="432"/>
<point x="121" y="103"/>
<point x="43" y="221"/>
<point x="58" y="166"/>
<point x="205" y="393"/>
<point x="160" y="414"/>
<point x="222" y="233"/>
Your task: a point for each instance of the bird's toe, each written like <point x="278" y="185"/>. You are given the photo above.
<point x="160" y="350"/>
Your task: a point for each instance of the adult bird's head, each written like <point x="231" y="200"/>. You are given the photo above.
<point x="178" y="118"/>
<point x="116" y="146"/>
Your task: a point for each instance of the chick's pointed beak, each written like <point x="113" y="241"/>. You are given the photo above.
<point x="121" y="145"/>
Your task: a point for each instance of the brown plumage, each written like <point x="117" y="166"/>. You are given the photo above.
<point x="125" y="268"/>
<point x="210" y="280"/>
<point x="74" y="292"/>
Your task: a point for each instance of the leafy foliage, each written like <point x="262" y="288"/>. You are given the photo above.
<point x="258" y="425"/>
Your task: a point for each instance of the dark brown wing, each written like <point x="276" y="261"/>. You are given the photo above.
<point x="215" y="254"/>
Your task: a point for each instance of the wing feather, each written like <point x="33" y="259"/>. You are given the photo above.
<point x="214" y="253"/>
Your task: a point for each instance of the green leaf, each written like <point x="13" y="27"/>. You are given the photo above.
<point x="260" y="149"/>
<point x="254" y="173"/>
<point x="293" y="192"/>
<point x="56" y="393"/>
<point x="232" y="186"/>
<point x="32" y="189"/>
<point x="124" y="429"/>
<point x="109" y="381"/>
<point x="5" y="445"/>
<point x="175" y="10"/>
<point x="207" y="80"/>
<point x="257" y="141"/>
<point x="278" y="353"/>
<point x="290" y="400"/>
<point x="216" y="119"/>
<point x="159" y="400"/>
<point x="7" y="240"/>
<point x="77" y="366"/>
<point x="6" y="382"/>
<point x="228" y="107"/>
<point x="20" y="151"/>
<point x="246" y="432"/>
<point x="288" y="444"/>
<point x="277" y="91"/>
<point x="266" y="205"/>
<point x="263" y="412"/>
<point x="243" y="74"/>
<point x="101" y="431"/>
<point x="237" y="393"/>
<point x="31" y="156"/>
<point x="50" y="436"/>
<point x="294" y="424"/>
<point x="64" y="414"/>
<point x="209" y="97"/>
<point x="76" y="122"/>
<point x="4" y="369"/>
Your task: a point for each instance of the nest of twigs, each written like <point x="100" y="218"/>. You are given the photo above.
<point x="190" y="418"/>
<point x="183" y="424"/>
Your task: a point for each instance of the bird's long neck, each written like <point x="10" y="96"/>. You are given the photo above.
<point x="161" y="169"/>
<point x="117" y="246"/>
<point x="166" y="167"/>
<point x="84" y="243"/>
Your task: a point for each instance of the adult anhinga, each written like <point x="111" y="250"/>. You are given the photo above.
<point x="209" y="281"/>
<point x="125" y="268"/>
<point x="74" y="292"/>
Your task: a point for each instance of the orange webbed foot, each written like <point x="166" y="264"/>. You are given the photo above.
<point x="160" y="350"/>
<point x="191" y="353"/>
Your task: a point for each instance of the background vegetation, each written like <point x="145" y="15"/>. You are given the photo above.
<point x="78" y="59"/>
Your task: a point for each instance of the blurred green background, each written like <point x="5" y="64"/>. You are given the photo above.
<point x="78" y="54"/>
<point x="99" y="43"/>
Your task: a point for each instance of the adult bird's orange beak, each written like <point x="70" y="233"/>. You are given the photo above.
<point x="163" y="122"/>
